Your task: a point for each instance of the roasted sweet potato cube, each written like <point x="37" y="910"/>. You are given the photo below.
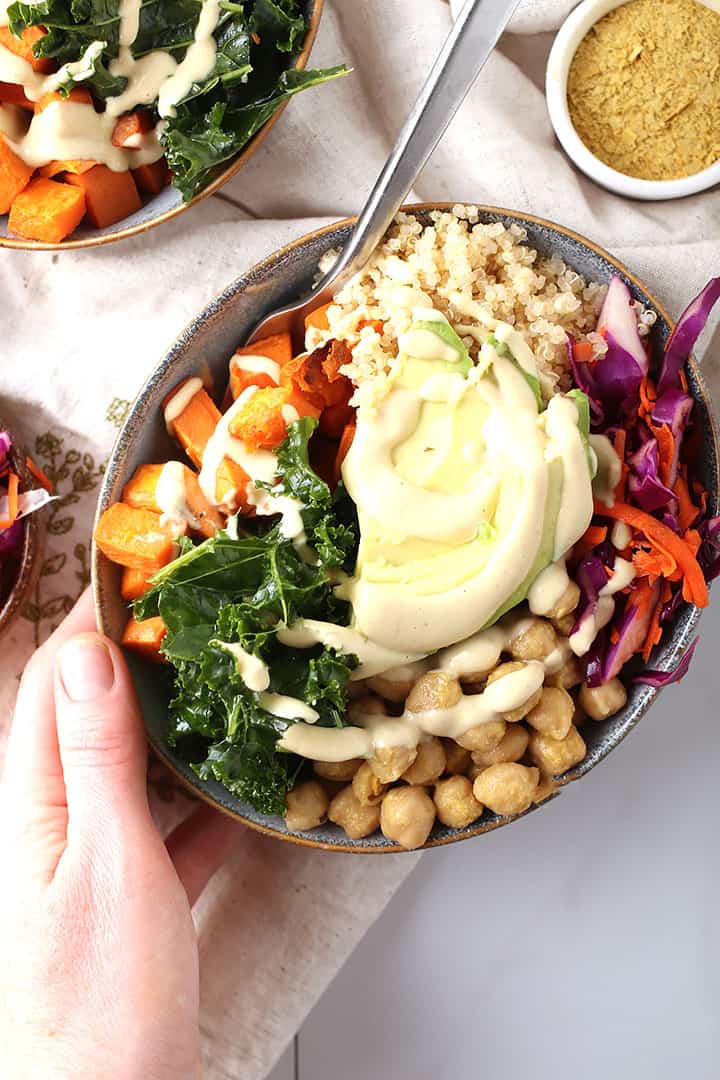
<point x="145" y="637"/>
<point x="134" y="538"/>
<point x="46" y="210"/>
<point x="109" y="196"/>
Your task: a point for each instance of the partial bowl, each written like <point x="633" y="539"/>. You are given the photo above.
<point x="210" y="339"/>
<point x="23" y="567"/>
<point x="569" y="36"/>
<point x="168" y="203"/>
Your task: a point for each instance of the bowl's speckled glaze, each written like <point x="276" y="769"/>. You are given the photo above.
<point x="168" y="203"/>
<point x="209" y="340"/>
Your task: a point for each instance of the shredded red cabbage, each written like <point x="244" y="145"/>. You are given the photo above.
<point x="658" y="679"/>
<point x="618" y="374"/>
<point x="644" y="480"/>
<point x="709" y="553"/>
<point x="686" y="332"/>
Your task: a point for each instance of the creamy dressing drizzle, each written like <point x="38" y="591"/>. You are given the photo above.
<point x="256" y="365"/>
<point x="609" y="469"/>
<point x="180" y="401"/>
<point x="623" y="574"/>
<point x="288" y="708"/>
<point x="621" y="535"/>
<point x="374" y="659"/>
<point x="251" y="669"/>
<point x="548" y="587"/>
<point x="171" y="497"/>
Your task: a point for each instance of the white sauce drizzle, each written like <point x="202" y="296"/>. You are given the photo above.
<point x="171" y="497"/>
<point x="582" y="639"/>
<point x="373" y="658"/>
<point x="621" y="535"/>
<point x="609" y="469"/>
<point x="288" y="708"/>
<point x="197" y="64"/>
<point x="251" y="669"/>
<point x="256" y="365"/>
<point x="576" y="505"/>
<point x="548" y="587"/>
<point x="180" y="401"/>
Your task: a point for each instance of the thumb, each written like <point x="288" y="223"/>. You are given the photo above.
<point x="100" y="738"/>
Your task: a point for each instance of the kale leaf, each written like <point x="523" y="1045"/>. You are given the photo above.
<point x="233" y="589"/>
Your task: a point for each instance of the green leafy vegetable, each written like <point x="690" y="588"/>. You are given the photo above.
<point x="250" y="79"/>
<point x="234" y="590"/>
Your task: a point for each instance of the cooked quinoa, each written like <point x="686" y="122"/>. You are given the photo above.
<point x="475" y="274"/>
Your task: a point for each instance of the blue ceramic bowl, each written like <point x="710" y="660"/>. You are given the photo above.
<point x="211" y="338"/>
<point x="168" y="203"/>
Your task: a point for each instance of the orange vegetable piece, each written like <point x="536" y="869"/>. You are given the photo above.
<point x="22" y="46"/>
<point x="240" y="379"/>
<point x="687" y="510"/>
<point x="345" y="443"/>
<point x="133" y="584"/>
<point x="145" y="638"/>
<point x="667" y="542"/>
<point x="54" y="168"/>
<point x="317" y="374"/>
<point x="302" y="404"/>
<point x="14" y="94"/>
<point x="318" y="318"/>
<point x="582" y="352"/>
<point x="140" y="492"/>
<point x="39" y="475"/>
<point x="129" y="126"/>
<point x="277" y="347"/>
<point x="335" y="419"/>
<point x="79" y="95"/>
<point x="109" y="196"/>
<point x="260" y="422"/>
<point x="13" y="483"/>
<point x="46" y="211"/>
<point x="134" y="538"/>
<point x="193" y="428"/>
<point x="151" y="179"/>
<point x="14" y="176"/>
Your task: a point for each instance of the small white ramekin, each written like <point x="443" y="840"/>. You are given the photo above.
<point x="569" y="36"/>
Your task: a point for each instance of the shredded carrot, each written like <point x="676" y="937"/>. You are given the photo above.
<point x="661" y="537"/>
<point x="648" y="397"/>
<point x="582" y="352"/>
<point x="39" y="475"/>
<point x="654" y="632"/>
<point x="12" y="497"/>
<point x="619" y="442"/>
<point x="654" y="564"/>
<point x="693" y="540"/>
<point x="666" y="449"/>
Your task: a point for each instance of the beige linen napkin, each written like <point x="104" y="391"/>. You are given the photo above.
<point x="83" y="329"/>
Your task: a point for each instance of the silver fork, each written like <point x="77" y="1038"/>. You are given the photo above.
<point x="467" y="47"/>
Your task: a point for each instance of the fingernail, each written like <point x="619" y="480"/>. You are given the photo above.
<point x="86" y="668"/>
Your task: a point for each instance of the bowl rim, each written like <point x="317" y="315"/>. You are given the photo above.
<point x="236" y="163"/>
<point x="30" y="548"/>
<point x="572" y="31"/>
<point x="647" y="693"/>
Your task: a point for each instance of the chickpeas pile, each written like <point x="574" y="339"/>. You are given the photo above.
<point x="505" y="764"/>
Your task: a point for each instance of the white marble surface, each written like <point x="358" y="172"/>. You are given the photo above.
<point x="582" y="941"/>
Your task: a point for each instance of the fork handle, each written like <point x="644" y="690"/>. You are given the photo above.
<point x="466" y="49"/>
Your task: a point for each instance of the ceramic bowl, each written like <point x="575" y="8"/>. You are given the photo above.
<point x="569" y="36"/>
<point x="23" y="569"/>
<point x="168" y="203"/>
<point x="210" y="339"/>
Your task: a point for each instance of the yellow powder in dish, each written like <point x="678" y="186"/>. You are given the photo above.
<point x="644" y="88"/>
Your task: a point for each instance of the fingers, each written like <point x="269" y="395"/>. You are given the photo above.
<point x="33" y="786"/>
<point x="100" y="737"/>
<point x="200" y="845"/>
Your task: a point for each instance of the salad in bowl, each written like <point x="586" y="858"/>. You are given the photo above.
<point x="395" y="574"/>
<point x="104" y="105"/>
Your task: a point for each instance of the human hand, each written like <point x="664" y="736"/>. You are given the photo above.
<point x="99" y="974"/>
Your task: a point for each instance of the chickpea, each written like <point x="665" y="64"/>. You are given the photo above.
<point x="396" y="684"/>
<point x="534" y="640"/>
<point x="350" y="814"/>
<point x="545" y="789"/>
<point x="553" y="714"/>
<point x="521" y="712"/>
<point x="483" y="737"/>
<point x="455" y="803"/>
<point x="407" y="815"/>
<point x="566" y="604"/>
<point x="368" y="789"/>
<point x="390" y="762"/>
<point x="556" y="756"/>
<point x="365" y="706"/>
<point x="337" y="770"/>
<point x="569" y="675"/>
<point x="306" y="806"/>
<point x="599" y="702"/>
<point x="429" y="763"/>
<point x="434" y="690"/>
<point x="506" y="788"/>
<point x="511" y="747"/>
<point x="457" y="758"/>
<point x="564" y="624"/>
